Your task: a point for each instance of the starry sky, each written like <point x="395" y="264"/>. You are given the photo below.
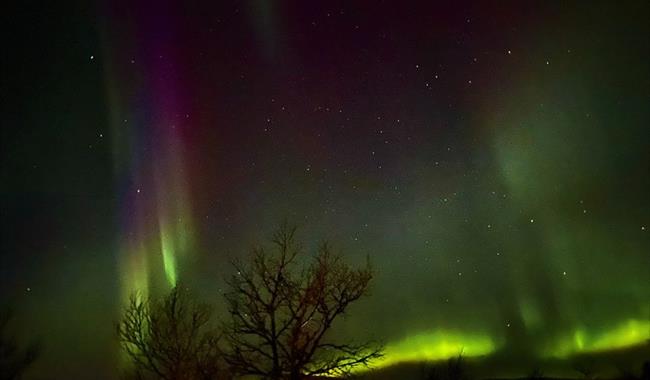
<point x="492" y="160"/>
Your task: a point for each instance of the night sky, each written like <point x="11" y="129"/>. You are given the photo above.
<point x="492" y="160"/>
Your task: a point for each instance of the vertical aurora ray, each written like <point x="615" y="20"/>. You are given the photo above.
<point x="168" y="255"/>
<point x="552" y="161"/>
<point x="147" y="123"/>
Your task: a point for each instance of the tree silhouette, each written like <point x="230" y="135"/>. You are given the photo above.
<point x="170" y="338"/>
<point x="281" y="313"/>
<point x="14" y="360"/>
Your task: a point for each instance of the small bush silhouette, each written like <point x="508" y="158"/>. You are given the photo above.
<point x="535" y="374"/>
<point x="453" y="369"/>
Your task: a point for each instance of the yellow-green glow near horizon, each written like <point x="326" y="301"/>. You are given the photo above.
<point x="436" y="345"/>
<point x="441" y="345"/>
<point x="629" y="333"/>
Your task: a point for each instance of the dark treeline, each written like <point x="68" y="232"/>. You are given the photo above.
<point x="281" y="308"/>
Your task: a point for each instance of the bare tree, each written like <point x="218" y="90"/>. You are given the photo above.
<point x="170" y="338"/>
<point x="281" y="313"/>
<point x="14" y="360"/>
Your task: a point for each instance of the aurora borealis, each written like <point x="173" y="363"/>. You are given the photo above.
<point x="492" y="160"/>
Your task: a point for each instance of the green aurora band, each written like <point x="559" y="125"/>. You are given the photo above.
<point x="531" y="143"/>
